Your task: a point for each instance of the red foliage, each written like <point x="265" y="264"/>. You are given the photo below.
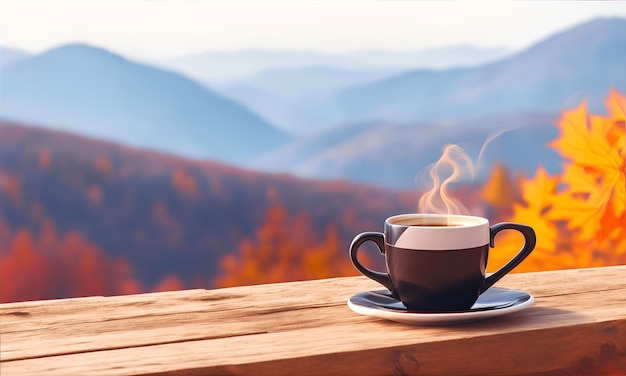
<point x="169" y="283"/>
<point x="103" y="165"/>
<point x="185" y="183"/>
<point x="285" y="249"/>
<point x="166" y="215"/>
<point x="25" y="271"/>
<point x="12" y="186"/>
<point x="45" y="159"/>
<point x="70" y="267"/>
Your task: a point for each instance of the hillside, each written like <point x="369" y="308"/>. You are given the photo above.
<point x="94" y="92"/>
<point x="287" y="92"/>
<point x="395" y="154"/>
<point x="283" y="95"/>
<point x="165" y="215"/>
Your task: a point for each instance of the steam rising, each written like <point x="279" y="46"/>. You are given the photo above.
<point x="490" y="138"/>
<point x="453" y="166"/>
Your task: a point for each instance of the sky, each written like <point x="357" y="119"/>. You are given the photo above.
<point x="168" y="28"/>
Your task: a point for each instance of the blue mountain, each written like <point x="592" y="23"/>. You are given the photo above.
<point x="283" y="95"/>
<point x="395" y="155"/>
<point x="222" y="66"/>
<point x="395" y="127"/>
<point x="581" y="62"/>
<point x="94" y="92"/>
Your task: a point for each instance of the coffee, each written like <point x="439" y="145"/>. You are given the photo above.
<point x="434" y="221"/>
<point x="437" y="224"/>
<point x="437" y="263"/>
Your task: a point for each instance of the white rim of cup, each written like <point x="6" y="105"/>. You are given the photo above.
<point x="472" y="232"/>
<point x="467" y="220"/>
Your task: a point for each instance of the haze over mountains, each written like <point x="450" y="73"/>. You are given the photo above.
<point x="523" y="94"/>
<point x="94" y="92"/>
<point x="217" y="67"/>
<point x="582" y="62"/>
<point x="397" y="155"/>
<point x="318" y="117"/>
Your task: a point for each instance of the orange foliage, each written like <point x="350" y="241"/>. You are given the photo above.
<point x="500" y="191"/>
<point x="103" y="165"/>
<point x="580" y="215"/>
<point x="12" y="186"/>
<point x="285" y="250"/>
<point x="185" y="183"/>
<point x="169" y="283"/>
<point x="45" y="159"/>
<point x="155" y="207"/>
<point x="25" y="271"/>
<point x="49" y="268"/>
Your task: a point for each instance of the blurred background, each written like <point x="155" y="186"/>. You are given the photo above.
<point x="161" y="145"/>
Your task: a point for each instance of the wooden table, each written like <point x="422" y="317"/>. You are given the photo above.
<point x="576" y="326"/>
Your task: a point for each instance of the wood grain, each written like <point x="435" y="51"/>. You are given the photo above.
<point x="576" y="326"/>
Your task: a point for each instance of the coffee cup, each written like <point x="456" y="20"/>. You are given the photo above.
<point x="437" y="262"/>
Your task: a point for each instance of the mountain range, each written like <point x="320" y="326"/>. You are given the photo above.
<point x="94" y="92"/>
<point x="218" y="67"/>
<point x="559" y="72"/>
<point x="398" y="155"/>
<point x="325" y="122"/>
<point x="582" y="62"/>
<point x="284" y="95"/>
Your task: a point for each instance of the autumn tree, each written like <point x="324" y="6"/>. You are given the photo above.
<point x="49" y="266"/>
<point x="579" y="215"/>
<point x="285" y="249"/>
<point x="185" y="183"/>
<point x="25" y="271"/>
<point x="169" y="283"/>
<point x="500" y="191"/>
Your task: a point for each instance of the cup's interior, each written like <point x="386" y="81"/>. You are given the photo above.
<point x="435" y="220"/>
<point x="436" y="231"/>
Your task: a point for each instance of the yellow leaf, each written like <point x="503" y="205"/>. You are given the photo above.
<point x="616" y="104"/>
<point x="579" y="216"/>
<point x="595" y="176"/>
<point x="539" y="196"/>
<point x="584" y="202"/>
<point x="584" y="140"/>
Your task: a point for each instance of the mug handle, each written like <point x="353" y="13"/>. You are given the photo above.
<point x="378" y="239"/>
<point x="529" y="244"/>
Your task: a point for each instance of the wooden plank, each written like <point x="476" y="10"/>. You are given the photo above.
<point x="577" y="349"/>
<point x="577" y="323"/>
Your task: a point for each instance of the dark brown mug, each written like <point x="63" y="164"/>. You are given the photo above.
<point x="437" y="262"/>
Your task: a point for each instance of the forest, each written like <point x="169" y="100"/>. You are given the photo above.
<point x="82" y="217"/>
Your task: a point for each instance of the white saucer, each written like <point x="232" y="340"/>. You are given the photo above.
<point x="493" y="302"/>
